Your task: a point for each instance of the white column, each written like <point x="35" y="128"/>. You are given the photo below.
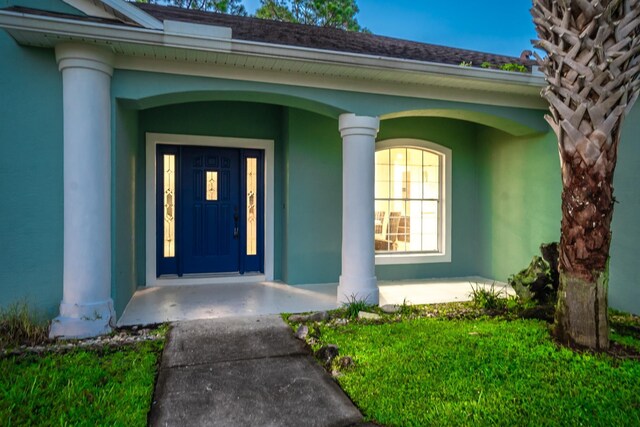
<point x="358" y="278"/>
<point x="86" y="308"/>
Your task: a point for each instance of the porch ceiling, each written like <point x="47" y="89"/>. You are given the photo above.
<point x="201" y="54"/>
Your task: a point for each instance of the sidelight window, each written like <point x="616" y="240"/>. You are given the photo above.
<point x="169" y="205"/>
<point x="252" y="195"/>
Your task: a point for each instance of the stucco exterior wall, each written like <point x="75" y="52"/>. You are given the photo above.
<point x="520" y="187"/>
<point x="313" y="201"/>
<point x="30" y="177"/>
<point x="127" y="206"/>
<point x="624" y="280"/>
<point x="519" y="193"/>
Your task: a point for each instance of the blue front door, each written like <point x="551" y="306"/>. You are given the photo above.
<point x="205" y="205"/>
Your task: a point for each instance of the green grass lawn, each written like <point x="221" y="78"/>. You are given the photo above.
<point x="430" y="371"/>
<point x="109" y="386"/>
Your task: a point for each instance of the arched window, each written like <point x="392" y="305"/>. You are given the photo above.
<point x="411" y="200"/>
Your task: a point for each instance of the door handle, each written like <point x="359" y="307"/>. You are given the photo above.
<point x="235" y="224"/>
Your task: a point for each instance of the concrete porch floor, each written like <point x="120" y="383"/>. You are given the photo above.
<point x="192" y="302"/>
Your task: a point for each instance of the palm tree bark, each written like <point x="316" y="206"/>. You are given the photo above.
<point x="591" y="68"/>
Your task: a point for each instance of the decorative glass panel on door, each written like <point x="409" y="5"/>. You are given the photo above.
<point x="169" y="204"/>
<point x="252" y="200"/>
<point x="212" y="185"/>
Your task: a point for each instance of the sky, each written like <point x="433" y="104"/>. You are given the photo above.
<point x="502" y="27"/>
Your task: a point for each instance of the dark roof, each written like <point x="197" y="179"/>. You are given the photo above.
<point x="290" y="34"/>
<point x="285" y="33"/>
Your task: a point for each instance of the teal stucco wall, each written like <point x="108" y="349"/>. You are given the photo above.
<point x="31" y="218"/>
<point x="519" y="194"/>
<point x="127" y="207"/>
<point x="520" y="188"/>
<point x="313" y="199"/>
<point x="624" y="278"/>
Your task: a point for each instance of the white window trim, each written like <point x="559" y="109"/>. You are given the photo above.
<point x="445" y="206"/>
<point x="152" y="140"/>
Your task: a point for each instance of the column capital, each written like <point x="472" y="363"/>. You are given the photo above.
<point x="350" y="124"/>
<point x="80" y="55"/>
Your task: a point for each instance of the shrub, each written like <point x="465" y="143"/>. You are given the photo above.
<point x="488" y="298"/>
<point x="20" y="326"/>
<point x="355" y="306"/>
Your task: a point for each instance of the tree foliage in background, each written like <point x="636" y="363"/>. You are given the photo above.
<point x="324" y="13"/>
<point x="233" y="7"/>
<point x="592" y="67"/>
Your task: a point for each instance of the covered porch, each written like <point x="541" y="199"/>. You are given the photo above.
<point x="318" y="192"/>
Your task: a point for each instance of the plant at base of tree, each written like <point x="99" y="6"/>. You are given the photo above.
<point x="232" y="7"/>
<point x="323" y="13"/>
<point x="539" y="281"/>
<point x="592" y="68"/>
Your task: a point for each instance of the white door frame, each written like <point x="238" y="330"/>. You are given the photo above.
<point x="152" y="140"/>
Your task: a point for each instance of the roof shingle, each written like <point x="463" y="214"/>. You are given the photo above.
<point x="331" y="39"/>
<point x="307" y="36"/>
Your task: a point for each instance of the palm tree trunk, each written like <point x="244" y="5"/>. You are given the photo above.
<point x="592" y="68"/>
<point x="587" y="209"/>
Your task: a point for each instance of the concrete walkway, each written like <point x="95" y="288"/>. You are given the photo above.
<point x="247" y="371"/>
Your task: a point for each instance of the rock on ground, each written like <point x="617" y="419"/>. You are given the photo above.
<point x="368" y="316"/>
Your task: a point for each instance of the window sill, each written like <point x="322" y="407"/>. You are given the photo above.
<point x="391" y="259"/>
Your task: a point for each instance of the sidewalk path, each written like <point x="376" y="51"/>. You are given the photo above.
<point x="247" y="371"/>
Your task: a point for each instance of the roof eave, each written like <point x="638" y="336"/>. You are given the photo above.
<point x="70" y="29"/>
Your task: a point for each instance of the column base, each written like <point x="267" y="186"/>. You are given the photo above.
<point x="83" y="320"/>
<point x="358" y="288"/>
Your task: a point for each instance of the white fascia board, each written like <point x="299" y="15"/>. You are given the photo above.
<point x="72" y="28"/>
<point x="141" y="36"/>
<point x="380" y="62"/>
<point x="116" y="9"/>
